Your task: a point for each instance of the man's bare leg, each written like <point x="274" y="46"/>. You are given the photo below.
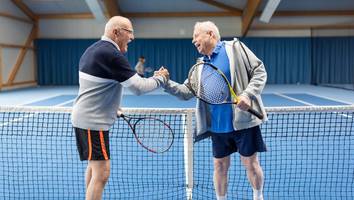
<point x="254" y="174"/>
<point x="221" y="167"/>
<point x="97" y="174"/>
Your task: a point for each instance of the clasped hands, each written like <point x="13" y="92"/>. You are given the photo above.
<point x="162" y="72"/>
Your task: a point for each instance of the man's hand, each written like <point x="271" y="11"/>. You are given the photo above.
<point x="244" y="102"/>
<point x="162" y="72"/>
<point x="119" y="112"/>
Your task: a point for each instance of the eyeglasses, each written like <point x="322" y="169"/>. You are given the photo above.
<point x="128" y="30"/>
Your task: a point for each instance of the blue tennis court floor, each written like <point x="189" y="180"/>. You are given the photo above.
<point x="302" y="158"/>
<point x="149" y="101"/>
<point x="273" y="96"/>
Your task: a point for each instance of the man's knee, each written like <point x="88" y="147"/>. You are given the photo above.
<point x="251" y="163"/>
<point x="221" y="166"/>
<point x="104" y="175"/>
<point x="101" y="171"/>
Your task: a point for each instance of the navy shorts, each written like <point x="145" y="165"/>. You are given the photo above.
<point x="246" y="142"/>
<point x="92" y="145"/>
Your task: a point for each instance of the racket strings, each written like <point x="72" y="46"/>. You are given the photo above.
<point x="193" y="80"/>
<point x="154" y="134"/>
<point x="212" y="87"/>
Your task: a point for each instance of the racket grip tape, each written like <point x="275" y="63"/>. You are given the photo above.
<point x="255" y="113"/>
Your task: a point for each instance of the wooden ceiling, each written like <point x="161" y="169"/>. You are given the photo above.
<point x="248" y="10"/>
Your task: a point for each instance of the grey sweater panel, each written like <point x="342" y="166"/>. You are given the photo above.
<point x="98" y="100"/>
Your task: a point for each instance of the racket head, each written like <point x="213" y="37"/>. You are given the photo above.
<point x="209" y="84"/>
<point x="153" y="134"/>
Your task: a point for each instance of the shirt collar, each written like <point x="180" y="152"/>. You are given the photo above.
<point x="215" y="51"/>
<point x="217" y="47"/>
<point x="105" y="38"/>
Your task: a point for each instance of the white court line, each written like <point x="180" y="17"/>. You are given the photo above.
<point x="17" y="120"/>
<point x="40" y="99"/>
<point x="344" y="115"/>
<point x="304" y="102"/>
<point x="309" y="104"/>
<point x="329" y="98"/>
<point x="65" y="102"/>
<point x="293" y="99"/>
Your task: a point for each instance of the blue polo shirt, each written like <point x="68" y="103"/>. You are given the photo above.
<point x="221" y="115"/>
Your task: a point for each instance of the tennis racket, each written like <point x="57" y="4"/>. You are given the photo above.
<point x="148" y="69"/>
<point x="210" y="85"/>
<point x="151" y="133"/>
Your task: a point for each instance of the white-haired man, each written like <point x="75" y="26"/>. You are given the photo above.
<point x="230" y="126"/>
<point x="103" y="72"/>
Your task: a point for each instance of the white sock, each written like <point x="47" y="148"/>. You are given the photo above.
<point x="257" y="194"/>
<point x="220" y="197"/>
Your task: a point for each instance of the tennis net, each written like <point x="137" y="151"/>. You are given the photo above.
<point x="310" y="156"/>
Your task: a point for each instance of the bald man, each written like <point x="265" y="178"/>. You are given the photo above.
<point x="103" y="73"/>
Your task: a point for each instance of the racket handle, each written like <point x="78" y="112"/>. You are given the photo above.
<point x="255" y="113"/>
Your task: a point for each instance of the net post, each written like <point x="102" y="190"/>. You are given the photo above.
<point x="188" y="154"/>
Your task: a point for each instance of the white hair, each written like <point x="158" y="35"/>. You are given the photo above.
<point x="115" y="22"/>
<point x="208" y="26"/>
<point x="110" y="25"/>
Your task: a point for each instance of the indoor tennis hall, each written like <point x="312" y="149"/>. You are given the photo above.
<point x="306" y="48"/>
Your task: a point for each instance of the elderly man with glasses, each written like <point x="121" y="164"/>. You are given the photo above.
<point x="103" y="72"/>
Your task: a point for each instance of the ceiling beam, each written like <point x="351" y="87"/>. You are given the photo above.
<point x="314" y="13"/>
<point x="112" y="7"/>
<point x="197" y="14"/>
<point x="17" y="46"/>
<point x="141" y="15"/>
<point x="299" y="27"/>
<point x="21" y="56"/>
<point x="23" y="50"/>
<point x="269" y="10"/>
<point x="27" y="83"/>
<point x="67" y="16"/>
<point x="22" y="6"/>
<point x="10" y="16"/>
<point x="248" y="14"/>
<point x="222" y="6"/>
<point x="183" y="14"/>
<point x="97" y="10"/>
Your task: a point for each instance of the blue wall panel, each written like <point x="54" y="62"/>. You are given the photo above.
<point x="287" y="60"/>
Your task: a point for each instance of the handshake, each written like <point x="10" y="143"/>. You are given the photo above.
<point x="163" y="72"/>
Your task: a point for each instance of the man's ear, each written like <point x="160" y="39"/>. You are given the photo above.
<point x="211" y="33"/>
<point x="116" y="32"/>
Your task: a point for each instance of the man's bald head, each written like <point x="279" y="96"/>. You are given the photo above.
<point x="114" y="23"/>
<point x="120" y="31"/>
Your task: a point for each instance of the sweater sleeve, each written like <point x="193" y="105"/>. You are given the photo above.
<point x="179" y="90"/>
<point x="139" y="85"/>
<point x="256" y="71"/>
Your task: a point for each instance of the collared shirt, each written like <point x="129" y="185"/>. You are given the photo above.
<point x="221" y="115"/>
<point x="105" y="38"/>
